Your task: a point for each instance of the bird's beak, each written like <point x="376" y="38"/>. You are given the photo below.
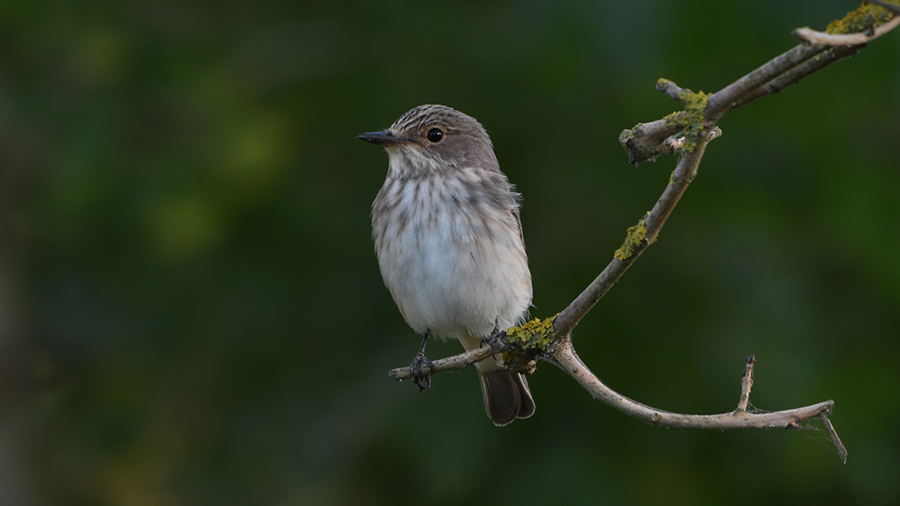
<point x="384" y="138"/>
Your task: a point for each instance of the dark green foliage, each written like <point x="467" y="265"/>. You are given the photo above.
<point x="206" y="324"/>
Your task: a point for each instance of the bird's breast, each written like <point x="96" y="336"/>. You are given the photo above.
<point x="451" y="255"/>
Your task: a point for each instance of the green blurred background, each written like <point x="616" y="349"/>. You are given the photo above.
<point x="191" y="312"/>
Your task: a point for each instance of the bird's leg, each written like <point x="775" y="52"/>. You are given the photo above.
<point x="493" y="339"/>
<point x="416" y="366"/>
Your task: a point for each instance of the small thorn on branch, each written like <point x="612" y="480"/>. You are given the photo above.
<point x="746" y="384"/>
<point x="841" y="449"/>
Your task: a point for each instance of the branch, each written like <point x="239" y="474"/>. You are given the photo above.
<point x="640" y="237"/>
<point x="445" y="364"/>
<point x="565" y="356"/>
<point x="687" y="132"/>
<point x="646" y="141"/>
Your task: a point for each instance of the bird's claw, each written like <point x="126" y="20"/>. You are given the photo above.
<point x="492" y="340"/>
<point x="415" y="371"/>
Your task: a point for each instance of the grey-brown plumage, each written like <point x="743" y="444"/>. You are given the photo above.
<point x="449" y="241"/>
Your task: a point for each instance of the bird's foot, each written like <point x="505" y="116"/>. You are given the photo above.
<point x="415" y="371"/>
<point x="493" y="340"/>
<point x="415" y="368"/>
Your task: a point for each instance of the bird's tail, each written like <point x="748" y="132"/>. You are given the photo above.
<point x="506" y="393"/>
<point x="506" y="396"/>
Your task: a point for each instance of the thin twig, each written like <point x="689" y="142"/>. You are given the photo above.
<point x="565" y="356"/>
<point x="445" y="364"/>
<point x="746" y="384"/>
<point x="811" y="36"/>
<point x="646" y="141"/>
<point x="842" y="450"/>
<point x="725" y="99"/>
<point x="682" y="176"/>
<point x="798" y="72"/>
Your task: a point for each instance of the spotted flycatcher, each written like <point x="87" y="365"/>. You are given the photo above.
<point x="449" y="243"/>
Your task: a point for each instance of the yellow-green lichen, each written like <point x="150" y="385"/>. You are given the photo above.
<point x="674" y="119"/>
<point x="690" y="120"/>
<point x="635" y="237"/>
<point x="536" y="334"/>
<point x="860" y="19"/>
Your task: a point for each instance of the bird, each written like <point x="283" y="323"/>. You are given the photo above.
<point x="448" y="238"/>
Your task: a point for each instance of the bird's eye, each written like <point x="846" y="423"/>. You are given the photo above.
<point x="435" y="135"/>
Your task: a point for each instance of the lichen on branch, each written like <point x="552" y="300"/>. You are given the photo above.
<point x="535" y="334"/>
<point x="866" y="16"/>
<point x="529" y="341"/>
<point x="691" y="120"/>
<point x="633" y="240"/>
